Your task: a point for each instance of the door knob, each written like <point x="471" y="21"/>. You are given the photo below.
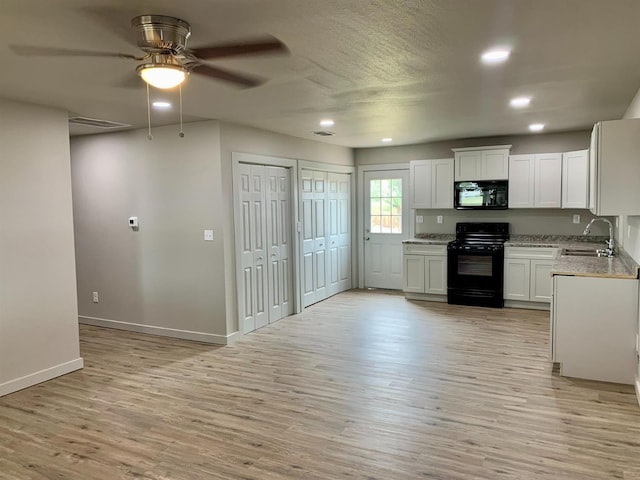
<point x="366" y="238"/>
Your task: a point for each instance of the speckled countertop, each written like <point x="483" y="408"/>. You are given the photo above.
<point x="432" y="238"/>
<point x="556" y="241"/>
<point x="614" y="267"/>
<point x="620" y="266"/>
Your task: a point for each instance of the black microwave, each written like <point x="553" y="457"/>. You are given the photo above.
<point x="481" y="195"/>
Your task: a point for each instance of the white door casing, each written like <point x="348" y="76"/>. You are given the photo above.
<point x="386" y="225"/>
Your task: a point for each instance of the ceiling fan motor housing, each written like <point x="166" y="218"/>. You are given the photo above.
<point x="161" y="34"/>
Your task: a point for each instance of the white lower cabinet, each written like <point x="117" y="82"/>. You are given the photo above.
<point x="425" y="269"/>
<point x="527" y="274"/>
<point x="593" y="327"/>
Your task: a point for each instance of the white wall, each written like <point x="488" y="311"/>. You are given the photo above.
<point x="522" y="221"/>
<point x="633" y="110"/>
<point x="38" y="313"/>
<point x="165" y="279"/>
<point x="237" y="138"/>
<point x="535" y="143"/>
<point x="525" y="221"/>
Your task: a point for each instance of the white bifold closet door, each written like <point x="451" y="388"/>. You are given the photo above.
<point x="339" y="232"/>
<point x="265" y="245"/>
<point x="326" y="234"/>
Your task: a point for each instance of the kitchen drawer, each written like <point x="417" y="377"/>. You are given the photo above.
<point x="424" y="249"/>
<point x="531" y="252"/>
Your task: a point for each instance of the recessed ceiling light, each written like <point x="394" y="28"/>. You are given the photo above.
<point x="387" y="140"/>
<point x="327" y="123"/>
<point x="536" y="127"/>
<point x="520" y="102"/>
<point x="161" y="104"/>
<point x="495" y="55"/>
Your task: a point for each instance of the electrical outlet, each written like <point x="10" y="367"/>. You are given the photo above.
<point x="95" y="297"/>
<point x="208" y="235"/>
<point x="439" y="218"/>
<point x="419" y="219"/>
<point x="576" y="219"/>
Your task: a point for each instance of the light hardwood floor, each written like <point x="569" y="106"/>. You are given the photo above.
<point x="364" y="385"/>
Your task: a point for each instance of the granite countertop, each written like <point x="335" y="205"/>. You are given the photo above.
<point x="556" y="241"/>
<point x="614" y="267"/>
<point x="431" y="238"/>
<point x="620" y="266"/>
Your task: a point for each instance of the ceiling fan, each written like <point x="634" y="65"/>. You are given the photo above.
<point x="167" y="61"/>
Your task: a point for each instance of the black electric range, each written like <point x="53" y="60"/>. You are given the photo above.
<point x="475" y="264"/>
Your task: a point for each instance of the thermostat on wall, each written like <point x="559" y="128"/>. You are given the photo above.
<point x="133" y="222"/>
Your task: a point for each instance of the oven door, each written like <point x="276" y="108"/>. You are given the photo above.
<point x="475" y="276"/>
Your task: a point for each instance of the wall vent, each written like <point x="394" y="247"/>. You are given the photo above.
<point x="324" y="133"/>
<point x="96" y="122"/>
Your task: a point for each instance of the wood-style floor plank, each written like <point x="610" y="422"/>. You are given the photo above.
<point x="365" y="385"/>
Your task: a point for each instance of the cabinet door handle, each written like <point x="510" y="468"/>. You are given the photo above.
<point x="260" y="259"/>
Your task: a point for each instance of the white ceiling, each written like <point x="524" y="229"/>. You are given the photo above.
<point x="381" y="68"/>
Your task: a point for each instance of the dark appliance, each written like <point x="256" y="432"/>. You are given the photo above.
<point x="475" y="264"/>
<point x="481" y="195"/>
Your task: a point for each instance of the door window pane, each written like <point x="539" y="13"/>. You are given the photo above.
<point x="385" y="205"/>
<point x="375" y="188"/>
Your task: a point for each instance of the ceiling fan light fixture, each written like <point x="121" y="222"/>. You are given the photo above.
<point x="162" y="76"/>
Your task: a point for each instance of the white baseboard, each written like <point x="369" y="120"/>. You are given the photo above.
<point x="527" y="305"/>
<point x="638" y="390"/>
<point x="41" y="376"/>
<point x="162" y="331"/>
<point x="429" y="297"/>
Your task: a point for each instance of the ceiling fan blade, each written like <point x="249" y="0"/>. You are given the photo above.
<point x="33" y="51"/>
<point x="228" y="76"/>
<point x="267" y="45"/>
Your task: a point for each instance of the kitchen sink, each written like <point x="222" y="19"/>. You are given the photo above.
<point x="580" y="252"/>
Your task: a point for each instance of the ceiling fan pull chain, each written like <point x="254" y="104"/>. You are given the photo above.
<point x="181" y="134"/>
<point x="149" y="136"/>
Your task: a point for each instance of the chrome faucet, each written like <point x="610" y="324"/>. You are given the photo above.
<point x="605" y="252"/>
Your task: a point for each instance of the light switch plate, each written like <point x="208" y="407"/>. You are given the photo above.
<point x="439" y="218"/>
<point x="576" y="219"/>
<point x="208" y="235"/>
<point x="419" y="219"/>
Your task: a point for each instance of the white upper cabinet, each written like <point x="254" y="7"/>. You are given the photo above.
<point x="521" y="178"/>
<point x="468" y="165"/>
<point x="431" y="183"/>
<point x="548" y="180"/>
<point x="482" y="163"/>
<point x="575" y="179"/>
<point x="535" y="180"/>
<point x="614" y="168"/>
<point x="420" y="183"/>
